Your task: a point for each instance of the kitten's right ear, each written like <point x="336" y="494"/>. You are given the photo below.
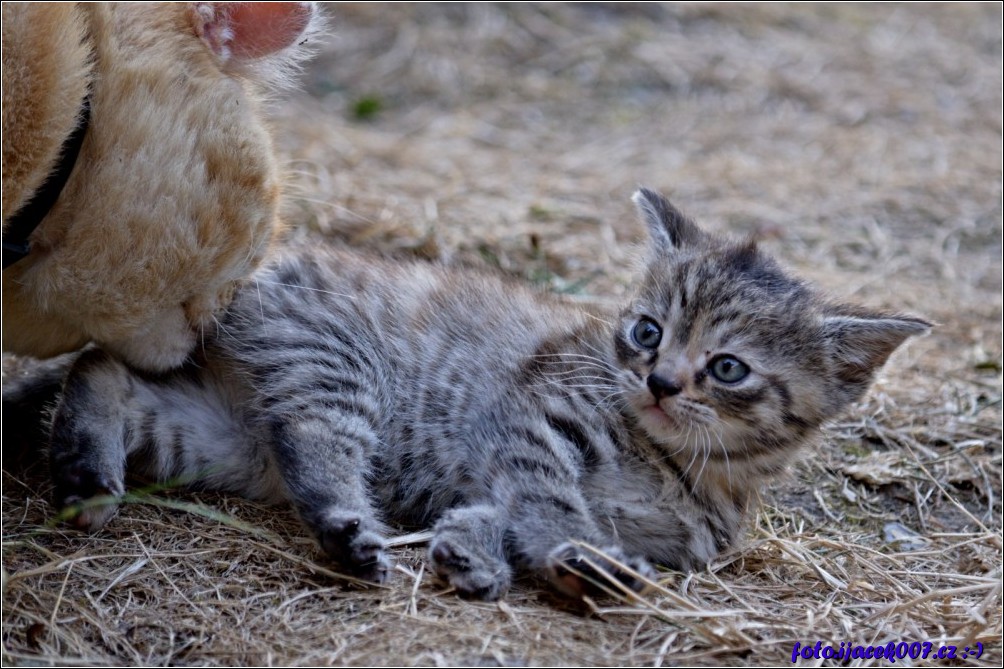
<point x="247" y="31"/>
<point x="668" y="229"/>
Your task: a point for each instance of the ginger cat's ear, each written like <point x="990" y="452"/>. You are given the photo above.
<point x="247" y="31"/>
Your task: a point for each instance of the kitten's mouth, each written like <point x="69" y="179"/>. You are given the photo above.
<point x="656" y="412"/>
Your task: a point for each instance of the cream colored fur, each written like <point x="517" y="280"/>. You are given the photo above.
<point x="174" y="197"/>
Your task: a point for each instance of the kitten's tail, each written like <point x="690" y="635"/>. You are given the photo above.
<point x="30" y="391"/>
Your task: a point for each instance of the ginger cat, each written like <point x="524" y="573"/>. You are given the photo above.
<point x="173" y="197"/>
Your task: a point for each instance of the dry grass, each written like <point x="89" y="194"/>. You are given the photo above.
<point x="861" y="144"/>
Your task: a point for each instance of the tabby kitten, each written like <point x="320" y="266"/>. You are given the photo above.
<point x="514" y="422"/>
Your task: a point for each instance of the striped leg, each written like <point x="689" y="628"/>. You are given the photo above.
<point x="538" y="485"/>
<point x="320" y="452"/>
<point x="178" y="428"/>
<point x="546" y="529"/>
<point x="87" y="452"/>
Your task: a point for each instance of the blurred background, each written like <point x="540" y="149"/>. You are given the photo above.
<point x="861" y="140"/>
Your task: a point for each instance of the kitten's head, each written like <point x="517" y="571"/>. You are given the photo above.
<point x="727" y="358"/>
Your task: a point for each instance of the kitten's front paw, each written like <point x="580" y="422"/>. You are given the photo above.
<point x="475" y="574"/>
<point x="86" y="498"/>
<point x="345" y="537"/>
<point x="578" y="571"/>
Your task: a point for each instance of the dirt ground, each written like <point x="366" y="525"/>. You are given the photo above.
<point x="861" y="144"/>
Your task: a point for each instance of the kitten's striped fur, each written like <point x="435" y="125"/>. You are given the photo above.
<point x="366" y="391"/>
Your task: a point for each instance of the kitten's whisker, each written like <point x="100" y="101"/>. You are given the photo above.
<point x="550" y="397"/>
<point x="601" y="381"/>
<point x="671" y="455"/>
<point x="570" y="354"/>
<point x="575" y="370"/>
<point x="566" y="354"/>
<point x="564" y="366"/>
<point x="698" y="452"/>
<point x="576" y="375"/>
<point x="571" y="379"/>
<point x="597" y="318"/>
<point x="615" y="393"/>
<point x="693" y="458"/>
<point x="583" y="360"/>
<point x="587" y="386"/>
<point x="690" y="428"/>
<point x="612" y="402"/>
<point x="603" y="402"/>
<point x="725" y="452"/>
<point x="316" y="290"/>
<point x="592" y="347"/>
<point x="705" y="451"/>
<point x="604" y="358"/>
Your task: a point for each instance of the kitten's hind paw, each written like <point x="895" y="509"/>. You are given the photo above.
<point x="85" y="498"/>
<point x="577" y="570"/>
<point x="345" y="537"/>
<point x="474" y="574"/>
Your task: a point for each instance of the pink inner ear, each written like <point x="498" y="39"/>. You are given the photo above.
<point x="256" y="29"/>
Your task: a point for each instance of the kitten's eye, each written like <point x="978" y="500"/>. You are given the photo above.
<point x="646" y="333"/>
<point x="728" y="369"/>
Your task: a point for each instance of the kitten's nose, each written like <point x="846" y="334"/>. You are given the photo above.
<point x="662" y="387"/>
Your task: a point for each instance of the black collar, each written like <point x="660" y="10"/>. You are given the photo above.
<point x="24" y="222"/>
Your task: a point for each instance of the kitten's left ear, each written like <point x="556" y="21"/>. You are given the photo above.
<point x="668" y="229"/>
<point x="860" y="344"/>
<point x="245" y="31"/>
